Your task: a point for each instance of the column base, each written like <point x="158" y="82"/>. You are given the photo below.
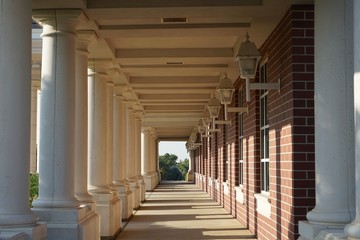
<point x="352" y="230"/>
<point x="158" y="179"/>
<point x="37" y="232"/>
<point x="109" y="209"/>
<point x="311" y="231"/>
<point x="190" y="176"/>
<point x="79" y="224"/>
<point x="141" y="184"/>
<point x="125" y="195"/>
<point x="150" y="181"/>
<point x="135" y="189"/>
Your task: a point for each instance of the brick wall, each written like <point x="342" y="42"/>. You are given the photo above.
<point x="289" y="53"/>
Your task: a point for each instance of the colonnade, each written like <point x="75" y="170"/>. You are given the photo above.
<point x="150" y="168"/>
<point x="337" y="143"/>
<point x="90" y="151"/>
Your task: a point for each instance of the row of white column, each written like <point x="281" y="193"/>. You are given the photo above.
<point x="90" y="141"/>
<point x="149" y="158"/>
<point x="337" y="128"/>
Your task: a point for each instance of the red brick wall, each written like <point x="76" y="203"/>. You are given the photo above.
<point x="214" y="164"/>
<point x="246" y="213"/>
<point x="289" y="53"/>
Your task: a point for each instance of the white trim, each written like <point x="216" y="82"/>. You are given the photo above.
<point x="226" y="188"/>
<point x="239" y="194"/>
<point x="210" y="181"/>
<point x="217" y="184"/>
<point x="263" y="205"/>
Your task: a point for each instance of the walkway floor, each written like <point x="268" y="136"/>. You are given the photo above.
<point x="182" y="211"/>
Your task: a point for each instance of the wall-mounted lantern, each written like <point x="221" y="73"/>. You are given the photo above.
<point x="214" y="109"/>
<point x="247" y="60"/>
<point x="226" y="90"/>
<point x="206" y="123"/>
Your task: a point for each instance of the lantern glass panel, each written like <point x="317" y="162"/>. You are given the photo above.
<point x="247" y="66"/>
<point x="226" y="95"/>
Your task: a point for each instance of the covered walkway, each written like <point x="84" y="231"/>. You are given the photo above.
<point x="178" y="210"/>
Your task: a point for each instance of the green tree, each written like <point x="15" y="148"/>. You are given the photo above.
<point x="167" y="161"/>
<point x="174" y="174"/>
<point x="34" y="187"/>
<point x="184" y="167"/>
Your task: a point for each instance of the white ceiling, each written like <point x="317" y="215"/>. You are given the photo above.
<point x="172" y="69"/>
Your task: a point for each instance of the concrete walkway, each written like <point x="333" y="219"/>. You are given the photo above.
<point x="182" y="211"/>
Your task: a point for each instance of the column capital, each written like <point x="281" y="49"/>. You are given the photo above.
<point x="119" y="89"/>
<point x="154" y="133"/>
<point x="84" y="39"/>
<point x="129" y="104"/>
<point x="147" y="130"/>
<point x="138" y="114"/>
<point x="87" y="35"/>
<point x="128" y="93"/>
<point x="99" y="66"/>
<point x="61" y="18"/>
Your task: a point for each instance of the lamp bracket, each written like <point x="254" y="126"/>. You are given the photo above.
<point x="265" y="86"/>
<point x="214" y="130"/>
<point x="238" y="109"/>
<point x="228" y="122"/>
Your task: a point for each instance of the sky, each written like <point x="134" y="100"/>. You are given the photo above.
<point x="177" y="148"/>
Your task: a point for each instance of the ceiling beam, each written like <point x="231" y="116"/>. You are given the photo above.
<point x="174" y="26"/>
<point x="169" y="3"/>
<point x="174" y="97"/>
<point x="174" y="32"/>
<point x="182" y="90"/>
<point x="174" y="53"/>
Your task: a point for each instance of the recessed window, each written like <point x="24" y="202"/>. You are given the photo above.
<point x="240" y="143"/>
<point x="226" y="149"/>
<point x="264" y="133"/>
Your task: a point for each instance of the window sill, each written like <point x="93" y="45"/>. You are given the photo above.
<point x="210" y="182"/>
<point x="226" y="188"/>
<point x="239" y="194"/>
<point x="263" y="205"/>
<point x="217" y="184"/>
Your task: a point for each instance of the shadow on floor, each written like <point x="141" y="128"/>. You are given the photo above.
<point x="182" y="211"/>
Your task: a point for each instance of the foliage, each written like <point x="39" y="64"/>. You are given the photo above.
<point x="167" y="161"/>
<point x="184" y="167"/>
<point x="174" y="174"/>
<point x="171" y="168"/>
<point x="34" y="187"/>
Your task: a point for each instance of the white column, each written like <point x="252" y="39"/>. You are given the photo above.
<point x="353" y="229"/>
<point x="157" y="159"/>
<point x="81" y="116"/>
<point x="57" y="114"/>
<point x="15" y="107"/>
<point x="190" y="173"/>
<point x="109" y="133"/>
<point x="138" y="148"/>
<point x="35" y="87"/>
<point x="108" y="205"/>
<point x="153" y="159"/>
<point x="56" y="204"/>
<point x="334" y="118"/>
<point x="97" y="120"/>
<point x="130" y="155"/>
<point x="120" y="157"/>
<point x="148" y="163"/>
